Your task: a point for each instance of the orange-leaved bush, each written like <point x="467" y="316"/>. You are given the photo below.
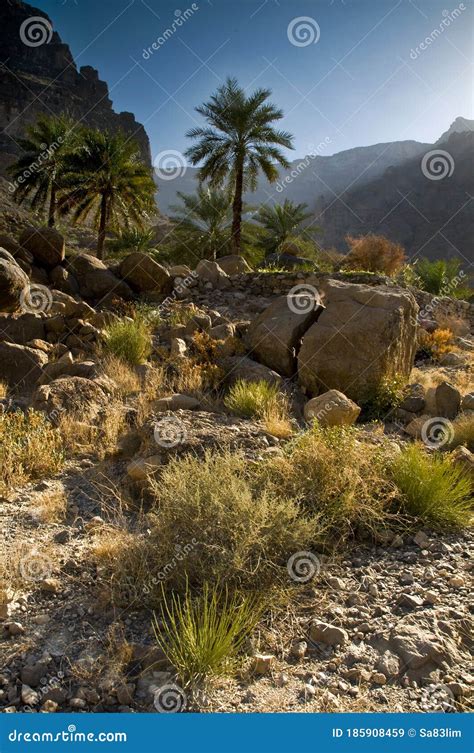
<point x="374" y="253"/>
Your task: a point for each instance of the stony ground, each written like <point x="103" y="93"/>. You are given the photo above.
<point x="399" y="616"/>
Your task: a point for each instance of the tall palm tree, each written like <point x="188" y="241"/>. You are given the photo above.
<point x="103" y="178"/>
<point x="203" y="221"/>
<point x="239" y="141"/>
<point x="281" y="222"/>
<point x="37" y="173"/>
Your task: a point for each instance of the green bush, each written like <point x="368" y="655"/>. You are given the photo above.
<point x="252" y="399"/>
<point x="433" y="490"/>
<point x="204" y="635"/>
<point x="442" y="277"/>
<point x="129" y="339"/>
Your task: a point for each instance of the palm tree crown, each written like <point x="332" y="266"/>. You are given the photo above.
<point x="37" y="173"/>
<point x="239" y="142"/>
<point x="103" y="178"/>
<point x="203" y="221"/>
<point x="282" y="222"/>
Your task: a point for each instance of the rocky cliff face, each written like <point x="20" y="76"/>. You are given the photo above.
<point x="38" y="75"/>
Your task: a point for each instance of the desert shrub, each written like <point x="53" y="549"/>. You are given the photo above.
<point x="252" y="399"/>
<point x="433" y="490"/>
<point x="125" y="376"/>
<point x="204" y="635"/>
<point x="235" y="532"/>
<point x="339" y="481"/>
<point x="442" y="277"/>
<point x="374" y="253"/>
<point x="463" y="428"/>
<point x="435" y="344"/>
<point x="129" y="340"/>
<point x="30" y="448"/>
<point x="3" y="390"/>
<point x="383" y="398"/>
<point x="131" y="239"/>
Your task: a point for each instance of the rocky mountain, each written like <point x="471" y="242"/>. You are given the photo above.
<point x="425" y="203"/>
<point x="39" y="75"/>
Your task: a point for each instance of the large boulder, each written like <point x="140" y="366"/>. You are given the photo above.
<point x="233" y="264"/>
<point x="211" y="272"/>
<point x="45" y="244"/>
<point x="20" y="367"/>
<point x="75" y="395"/>
<point x="21" y="329"/>
<point x="274" y="336"/>
<point x="13" y="282"/>
<point x="364" y="335"/>
<point x="332" y="408"/>
<point x="144" y="274"/>
<point x="95" y="280"/>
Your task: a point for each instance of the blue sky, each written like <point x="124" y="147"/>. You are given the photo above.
<point x="356" y="77"/>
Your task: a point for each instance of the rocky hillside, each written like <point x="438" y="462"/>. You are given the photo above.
<point x="38" y="74"/>
<point x="430" y="213"/>
<point x="161" y="427"/>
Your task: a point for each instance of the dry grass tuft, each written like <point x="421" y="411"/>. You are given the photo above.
<point x="3" y="390"/>
<point x="30" y="448"/>
<point x="99" y="438"/>
<point x="463" y="427"/>
<point x="51" y="507"/>
<point x="123" y="375"/>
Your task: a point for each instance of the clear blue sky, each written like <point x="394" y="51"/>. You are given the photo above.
<point x="360" y="84"/>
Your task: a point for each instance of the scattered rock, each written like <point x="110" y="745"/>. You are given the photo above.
<point x="144" y="274"/>
<point x="332" y="408"/>
<point x="321" y="632"/>
<point x="45" y="244"/>
<point x="448" y="400"/>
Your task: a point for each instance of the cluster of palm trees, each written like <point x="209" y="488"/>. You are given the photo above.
<point x="87" y="173"/>
<point x="84" y="173"/>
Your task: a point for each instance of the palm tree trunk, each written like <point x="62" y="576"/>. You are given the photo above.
<point x="237" y="207"/>
<point x="102" y="227"/>
<point x="52" y="206"/>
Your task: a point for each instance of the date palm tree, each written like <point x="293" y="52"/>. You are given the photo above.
<point x="239" y="141"/>
<point x="103" y="179"/>
<point x="281" y="222"/>
<point x="38" y="171"/>
<point x="203" y="221"/>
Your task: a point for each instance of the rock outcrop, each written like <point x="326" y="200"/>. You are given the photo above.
<point x="44" y="78"/>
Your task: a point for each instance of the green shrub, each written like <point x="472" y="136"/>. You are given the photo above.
<point x="129" y="339"/>
<point x="383" y="398"/>
<point x="30" y="448"/>
<point x="339" y="481"/>
<point x="233" y="530"/>
<point x="433" y="490"/>
<point x="442" y="277"/>
<point x="252" y="399"/>
<point x="204" y="635"/>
